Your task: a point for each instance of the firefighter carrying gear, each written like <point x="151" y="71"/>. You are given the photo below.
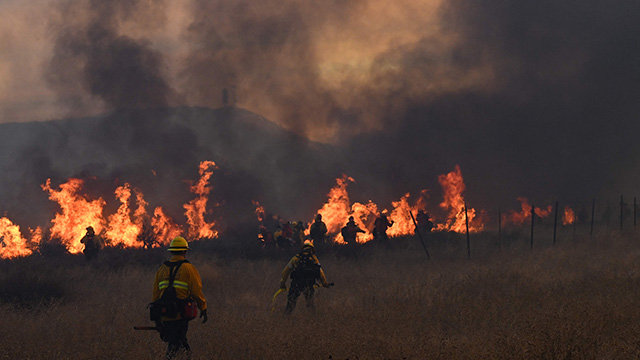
<point x="305" y="271"/>
<point x="187" y="284"/>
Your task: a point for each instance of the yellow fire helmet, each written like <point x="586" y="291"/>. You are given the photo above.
<point x="178" y="244"/>
<point x="308" y="243"/>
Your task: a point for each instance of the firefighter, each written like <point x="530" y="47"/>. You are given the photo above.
<point x="188" y="286"/>
<point x="424" y="224"/>
<point x="305" y="271"/>
<point x="350" y="231"/>
<point x="318" y="230"/>
<point x="92" y="244"/>
<point x="298" y="233"/>
<point x="380" y="228"/>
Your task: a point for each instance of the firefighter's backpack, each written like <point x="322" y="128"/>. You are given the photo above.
<point x="168" y="305"/>
<point x="306" y="268"/>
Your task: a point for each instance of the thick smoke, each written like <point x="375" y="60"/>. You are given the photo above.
<point x="533" y="99"/>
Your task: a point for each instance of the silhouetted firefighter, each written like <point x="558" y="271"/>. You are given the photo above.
<point x="318" y="230"/>
<point x="92" y="244"/>
<point x="424" y="223"/>
<point x="380" y="228"/>
<point x="305" y="271"/>
<point x="177" y="294"/>
<point x="350" y="231"/>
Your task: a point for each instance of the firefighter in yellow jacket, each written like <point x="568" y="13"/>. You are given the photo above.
<point x="305" y="271"/>
<point x="187" y="285"/>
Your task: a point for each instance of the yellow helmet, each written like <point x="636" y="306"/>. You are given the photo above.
<point x="178" y="244"/>
<point x="308" y="243"/>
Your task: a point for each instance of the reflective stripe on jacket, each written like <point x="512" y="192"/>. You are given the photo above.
<point x="187" y="282"/>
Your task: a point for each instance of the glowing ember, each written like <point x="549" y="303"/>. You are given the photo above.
<point x="77" y="213"/>
<point x="12" y="244"/>
<point x="196" y="209"/>
<point x="569" y="216"/>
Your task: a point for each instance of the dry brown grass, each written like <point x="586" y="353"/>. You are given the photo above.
<point x="577" y="300"/>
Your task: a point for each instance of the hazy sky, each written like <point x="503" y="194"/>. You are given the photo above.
<point x="529" y="97"/>
<point x="278" y="56"/>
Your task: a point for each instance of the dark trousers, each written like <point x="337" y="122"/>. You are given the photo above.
<point x="175" y="333"/>
<point x="299" y="287"/>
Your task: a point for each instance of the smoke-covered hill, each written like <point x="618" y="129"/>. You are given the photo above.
<point x="156" y="150"/>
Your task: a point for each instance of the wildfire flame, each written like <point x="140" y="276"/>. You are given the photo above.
<point x="525" y="213"/>
<point x="569" y="216"/>
<point x="164" y="229"/>
<point x="453" y="187"/>
<point x="196" y="209"/>
<point x="12" y="243"/>
<point x="77" y="213"/>
<point x="120" y="228"/>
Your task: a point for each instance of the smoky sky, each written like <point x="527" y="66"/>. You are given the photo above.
<point x="534" y="99"/>
<point x="557" y="120"/>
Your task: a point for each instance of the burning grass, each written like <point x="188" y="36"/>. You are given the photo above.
<point x="577" y="299"/>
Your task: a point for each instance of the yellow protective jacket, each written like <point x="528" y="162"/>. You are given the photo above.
<point x="187" y="282"/>
<point x="294" y="262"/>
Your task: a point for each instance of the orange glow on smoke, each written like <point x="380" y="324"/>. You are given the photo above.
<point x="12" y="243"/>
<point x="453" y="187"/>
<point x="196" y="209"/>
<point x="569" y="216"/>
<point x="76" y="214"/>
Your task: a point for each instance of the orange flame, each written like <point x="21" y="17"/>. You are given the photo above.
<point x="569" y="216"/>
<point x="199" y="228"/>
<point x="164" y="229"/>
<point x="336" y="210"/>
<point x="121" y="229"/>
<point x="259" y="210"/>
<point x="364" y="216"/>
<point x="12" y="244"/>
<point x="77" y="213"/>
<point x="453" y="186"/>
<point x="525" y="213"/>
<point x="401" y="217"/>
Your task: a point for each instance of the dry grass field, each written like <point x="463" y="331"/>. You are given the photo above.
<point x="578" y="299"/>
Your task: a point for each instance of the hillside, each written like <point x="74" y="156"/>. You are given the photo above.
<point x="156" y="150"/>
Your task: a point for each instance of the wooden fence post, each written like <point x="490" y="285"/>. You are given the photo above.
<point x="533" y="217"/>
<point x="466" y="217"/>
<point x="593" y="212"/>
<point x="555" y="224"/>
